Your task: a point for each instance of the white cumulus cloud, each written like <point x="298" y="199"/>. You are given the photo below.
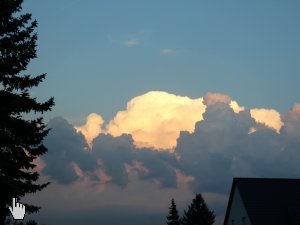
<point x="156" y="118"/>
<point x="269" y="117"/>
<point x="92" y="128"/>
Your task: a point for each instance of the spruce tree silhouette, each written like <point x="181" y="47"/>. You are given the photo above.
<point x="198" y="213"/>
<point x="20" y="139"/>
<point x="9" y="221"/>
<point x="173" y="217"/>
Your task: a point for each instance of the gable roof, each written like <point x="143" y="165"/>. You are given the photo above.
<point x="267" y="201"/>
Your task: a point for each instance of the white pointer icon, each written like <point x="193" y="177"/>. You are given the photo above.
<point x="17" y="210"/>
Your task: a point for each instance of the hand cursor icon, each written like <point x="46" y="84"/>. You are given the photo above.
<point x="17" y="210"/>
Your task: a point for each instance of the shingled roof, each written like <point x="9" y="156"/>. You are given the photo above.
<point x="268" y="201"/>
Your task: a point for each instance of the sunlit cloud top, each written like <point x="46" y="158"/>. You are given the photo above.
<point x="155" y="119"/>
<point x="92" y="128"/>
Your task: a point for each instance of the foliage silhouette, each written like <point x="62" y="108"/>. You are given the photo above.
<point x="198" y="213"/>
<point x="173" y="217"/>
<point x="20" y="139"/>
<point x="10" y="221"/>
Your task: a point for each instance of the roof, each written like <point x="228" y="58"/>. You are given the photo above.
<point x="267" y="201"/>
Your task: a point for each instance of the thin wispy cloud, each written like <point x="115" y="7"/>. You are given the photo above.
<point x="168" y="51"/>
<point x="131" y="42"/>
<point x="128" y="42"/>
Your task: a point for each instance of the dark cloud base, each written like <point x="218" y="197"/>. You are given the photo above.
<point x="66" y="146"/>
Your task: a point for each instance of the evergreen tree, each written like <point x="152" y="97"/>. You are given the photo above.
<point x="173" y="218"/>
<point x="198" y="213"/>
<point x="9" y="221"/>
<point x="20" y="139"/>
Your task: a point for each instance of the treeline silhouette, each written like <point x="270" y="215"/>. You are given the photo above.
<point x="10" y="221"/>
<point x="196" y="214"/>
<point x="21" y="138"/>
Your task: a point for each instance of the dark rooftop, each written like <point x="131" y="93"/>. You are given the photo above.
<point x="269" y="201"/>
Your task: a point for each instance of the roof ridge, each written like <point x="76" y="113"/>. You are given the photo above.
<point x="265" y="178"/>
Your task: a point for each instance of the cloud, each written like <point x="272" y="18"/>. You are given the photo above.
<point x="116" y="153"/>
<point x="68" y="161"/>
<point x="92" y="128"/>
<point x="206" y="154"/>
<point x="205" y="139"/>
<point x="269" y="117"/>
<point x="210" y="142"/>
<point x="291" y="122"/>
<point x="131" y="42"/>
<point x="236" y="107"/>
<point x="156" y="118"/>
<point x="65" y="146"/>
<point x="213" y="98"/>
<point x="221" y="148"/>
<point x="128" y="41"/>
<point x="168" y="51"/>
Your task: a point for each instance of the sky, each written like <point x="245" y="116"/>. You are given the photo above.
<point x="163" y="99"/>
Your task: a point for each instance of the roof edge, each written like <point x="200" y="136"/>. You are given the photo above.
<point x="233" y="186"/>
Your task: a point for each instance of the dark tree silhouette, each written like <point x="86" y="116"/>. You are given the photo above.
<point x="173" y="217"/>
<point x="198" y="213"/>
<point x="9" y="221"/>
<point x="20" y="139"/>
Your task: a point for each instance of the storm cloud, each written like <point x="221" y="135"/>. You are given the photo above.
<point x="226" y="144"/>
<point x="227" y="140"/>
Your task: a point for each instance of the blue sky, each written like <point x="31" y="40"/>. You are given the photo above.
<point x="112" y="57"/>
<point x="248" y="50"/>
